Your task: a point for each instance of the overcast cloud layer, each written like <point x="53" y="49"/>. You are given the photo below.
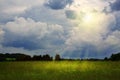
<point x="58" y="27"/>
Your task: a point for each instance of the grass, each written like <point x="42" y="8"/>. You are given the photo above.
<point x="63" y="70"/>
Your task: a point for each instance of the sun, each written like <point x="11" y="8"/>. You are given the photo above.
<point x="87" y="18"/>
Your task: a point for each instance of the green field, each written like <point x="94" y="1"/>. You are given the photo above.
<point x="63" y="70"/>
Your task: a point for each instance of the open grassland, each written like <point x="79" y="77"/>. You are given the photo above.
<point x="63" y="70"/>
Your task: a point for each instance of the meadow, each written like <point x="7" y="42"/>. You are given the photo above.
<point x="61" y="70"/>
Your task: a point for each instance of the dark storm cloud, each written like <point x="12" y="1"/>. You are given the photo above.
<point x="24" y="43"/>
<point x="115" y="6"/>
<point x="70" y="14"/>
<point x="58" y="4"/>
<point x="31" y="42"/>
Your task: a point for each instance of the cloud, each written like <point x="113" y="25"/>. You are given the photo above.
<point x="28" y="34"/>
<point x="44" y="14"/>
<point x="115" y="6"/>
<point x="113" y="39"/>
<point x="58" y="4"/>
<point x="36" y="11"/>
<point x="70" y="14"/>
<point x="94" y="38"/>
<point x="13" y="7"/>
<point x="95" y="47"/>
<point x="1" y="35"/>
<point x="71" y="28"/>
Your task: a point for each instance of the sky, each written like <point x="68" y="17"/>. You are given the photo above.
<point x="71" y="28"/>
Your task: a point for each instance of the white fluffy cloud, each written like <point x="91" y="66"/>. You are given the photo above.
<point x="91" y="25"/>
<point x="113" y="39"/>
<point x="28" y="27"/>
<point x="93" y="29"/>
<point x="91" y="33"/>
<point x="28" y="34"/>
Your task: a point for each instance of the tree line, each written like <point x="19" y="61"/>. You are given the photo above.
<point x="24" y="57"/>
<point x="47" y="57"/>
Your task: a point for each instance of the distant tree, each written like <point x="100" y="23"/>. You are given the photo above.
<point x="24" y="57"/>
<point x="57" y="57"/>
<point x="2" y="57"/>
<point x="37" y="58"/>
<point x="115" y="57"/>
<point x="21" y="57"/>
<point x="47" y="58"/>
<point x="105" y="58"/>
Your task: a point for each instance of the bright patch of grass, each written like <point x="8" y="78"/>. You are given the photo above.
<point x="63" y="70"/>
